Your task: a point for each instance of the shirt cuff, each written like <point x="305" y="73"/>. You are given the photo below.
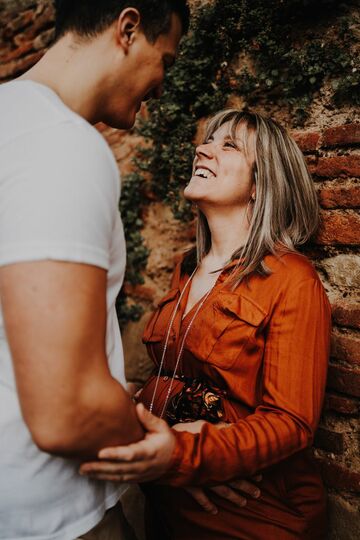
<point x="181" y="469"/>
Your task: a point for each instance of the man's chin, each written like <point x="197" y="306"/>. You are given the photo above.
<point x="122" y="122"/>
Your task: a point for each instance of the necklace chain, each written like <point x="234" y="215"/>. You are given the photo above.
<point x="178" y="358"/>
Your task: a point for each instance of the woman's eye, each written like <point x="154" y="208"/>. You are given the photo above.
<point x="229" y="144"/>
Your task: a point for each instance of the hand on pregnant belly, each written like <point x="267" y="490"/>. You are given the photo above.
<point x="139" y="462"/>
<point x="236" y="492"/>
<point x="195" y="427"/>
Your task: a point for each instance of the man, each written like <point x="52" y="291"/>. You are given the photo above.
<point x="62" y="259"/>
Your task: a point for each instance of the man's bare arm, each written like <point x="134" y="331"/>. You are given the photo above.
<point x="55" y="321"/>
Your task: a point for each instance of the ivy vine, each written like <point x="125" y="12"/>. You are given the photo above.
<point x="291" y="49"/>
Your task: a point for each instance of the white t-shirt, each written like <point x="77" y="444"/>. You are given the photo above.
<point x="59" y="192"/>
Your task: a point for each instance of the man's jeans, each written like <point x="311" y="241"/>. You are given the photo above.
<point x="113" y="526"/>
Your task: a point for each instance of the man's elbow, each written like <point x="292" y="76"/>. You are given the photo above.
<point x="55" y="438"/>
<point x="60" y="430"/>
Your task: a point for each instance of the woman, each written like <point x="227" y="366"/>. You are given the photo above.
<point x="240" y="344"/>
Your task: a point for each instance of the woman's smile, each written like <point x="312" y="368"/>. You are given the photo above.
<point x="201" y="171"/>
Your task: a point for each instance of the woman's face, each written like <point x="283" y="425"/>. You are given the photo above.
<point x="222" y="170"/>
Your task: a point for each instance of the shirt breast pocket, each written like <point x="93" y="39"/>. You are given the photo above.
<point x="228" y="329"/>
<point x="157" y="325"/>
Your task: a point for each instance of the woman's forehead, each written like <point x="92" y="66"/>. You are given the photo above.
<point x="237" y="131"/>
<point x="232" y="130"/>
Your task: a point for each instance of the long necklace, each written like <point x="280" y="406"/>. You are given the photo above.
<point x="181" y="346"/>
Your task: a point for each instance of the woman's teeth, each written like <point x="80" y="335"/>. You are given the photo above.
<point x="204" y="173"/>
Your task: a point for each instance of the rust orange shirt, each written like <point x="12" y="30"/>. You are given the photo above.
<point x="266" y="344"/>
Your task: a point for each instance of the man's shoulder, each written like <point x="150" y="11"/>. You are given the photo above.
<point x="33" y="111"/>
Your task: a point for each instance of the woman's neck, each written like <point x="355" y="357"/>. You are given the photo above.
<point x="229" y="231"/>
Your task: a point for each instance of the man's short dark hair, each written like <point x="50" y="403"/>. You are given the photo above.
<point x="88" y="18"/>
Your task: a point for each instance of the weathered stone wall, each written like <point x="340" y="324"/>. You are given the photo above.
<point x="330" y="139"/>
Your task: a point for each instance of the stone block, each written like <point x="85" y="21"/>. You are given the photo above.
<point x="341" y="404"/>
<point x="345" y="347"/>
<point x="330" y="441"/>
<point x="346" y="313"/>
<point x="343" y="379"/>
<point x="338" y="476"/>
<point x="344" y="522"/>
<point x="343" y="270"/>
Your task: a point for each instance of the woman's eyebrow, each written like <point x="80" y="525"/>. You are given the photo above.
<point x="236" y="140"/>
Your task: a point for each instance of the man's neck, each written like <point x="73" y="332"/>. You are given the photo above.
<point x="67" y="68"/>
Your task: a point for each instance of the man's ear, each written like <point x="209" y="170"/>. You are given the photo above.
<point x="127" y="25"/>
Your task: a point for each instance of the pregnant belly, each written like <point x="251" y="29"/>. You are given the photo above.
<point x="160" y="393"/>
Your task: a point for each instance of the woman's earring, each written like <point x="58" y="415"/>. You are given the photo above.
<point x="247" y="210"/>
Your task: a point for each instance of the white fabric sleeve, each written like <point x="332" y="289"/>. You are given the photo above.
<point x="59" y="191"/>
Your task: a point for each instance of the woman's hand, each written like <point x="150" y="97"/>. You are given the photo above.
<point x="191" y="427"/>
<point x="236" y="492"/>
<point x="143" y="461"/>
<point x="196" y="426"/>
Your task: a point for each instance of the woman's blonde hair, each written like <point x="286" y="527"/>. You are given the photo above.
<point x="285" y="212"/>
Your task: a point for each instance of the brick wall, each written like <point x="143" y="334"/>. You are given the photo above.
<point x="334" y="161"/>
<point x="331" y="143"/>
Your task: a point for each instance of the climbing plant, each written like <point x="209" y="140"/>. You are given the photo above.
<point x="281" y="53"/>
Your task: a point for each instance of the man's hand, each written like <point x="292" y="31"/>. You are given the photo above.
<point x="150" y="458"/>
<point x="139" y="462"/>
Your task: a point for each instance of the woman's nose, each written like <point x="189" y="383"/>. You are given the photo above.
<point x="204" y="150"/>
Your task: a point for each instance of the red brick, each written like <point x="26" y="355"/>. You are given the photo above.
<point x="16" y="53"/>
<point x="22" y="20"/>
<point x="346" y="348"/>
<point x="346" y="313"/>
<point x="334" y="166"/>
<point x="341" y="404"/>
<point x="44" y="39"/>
<point x="140" y="291"/>
<point x="42" y="22"/>
<point x="340" y="195"/>
<point x="345" y="380"/>
<point x="16" y="67"/>
<point x="330" y="441"/>
<point x="312" y="162"/>
<point x="339" y="228"/>
<point x="341" y="135"/>
<point x="306" y="140"/>
<point x="339" y="477"/>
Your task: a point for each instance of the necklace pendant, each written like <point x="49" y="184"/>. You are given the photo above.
<point x="166" y="378"/>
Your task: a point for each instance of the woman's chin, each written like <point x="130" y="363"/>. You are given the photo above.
<point x="192" y="194"/>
